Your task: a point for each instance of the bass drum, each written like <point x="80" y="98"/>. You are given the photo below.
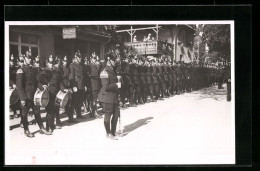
<point x="14" y="96"/>
<point x="41" y="98"/>
<point x="62" y="99"/>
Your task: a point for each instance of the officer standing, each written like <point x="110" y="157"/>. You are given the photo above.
<point x="228" y="81"/>
<point x="108" y="96"/>
<point x="95" y="84"/>
<point x="26" y="82"/>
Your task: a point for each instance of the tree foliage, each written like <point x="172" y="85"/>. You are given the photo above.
<point x="217" y="38"/>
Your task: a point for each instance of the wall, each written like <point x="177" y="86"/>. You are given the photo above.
<point x="46" y="45"/>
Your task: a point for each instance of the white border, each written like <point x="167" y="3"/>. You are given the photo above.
<point x="6" y="64"/>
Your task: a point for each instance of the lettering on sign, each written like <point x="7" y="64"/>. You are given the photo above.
<point x="69" y="33"/>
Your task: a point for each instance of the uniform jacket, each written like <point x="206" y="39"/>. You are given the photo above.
<point x="64" y="72"/>
<point x="94" y="76"/>
<point x="154" y="73"/>
<point x="26" y="82"/>
<point x="128" y="80"/>
<point x="76" y="76"/>
<point x="50" y="77"/>
<point x="148" y="75"/>
<point x="109" y="90"/>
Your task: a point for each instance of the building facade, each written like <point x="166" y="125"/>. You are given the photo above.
<point x="148" y="40"/>
<point x="52" y="40"/>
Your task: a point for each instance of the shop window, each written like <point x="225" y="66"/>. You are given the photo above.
<point x="13" y="37"/>
<point x="14" y="50"/>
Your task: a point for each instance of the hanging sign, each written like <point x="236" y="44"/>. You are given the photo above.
<point x="69" y="33"/>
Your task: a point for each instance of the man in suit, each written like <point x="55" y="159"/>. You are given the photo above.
<point x="76" y="78"/>
<point x="108" y="96"/>
<point x="26" y="83"/>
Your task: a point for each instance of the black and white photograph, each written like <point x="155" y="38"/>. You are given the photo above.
<point x="119" y="92"/>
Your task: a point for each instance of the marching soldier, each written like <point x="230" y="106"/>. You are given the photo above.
<point x="124" y="84"/>
<point x="143" y="86"/>
<point x="49" y="79"/>
<point x="95" y="84"/>
<point x="76" y="78"/>
<point x="108" y="96"/>
<point x="26" y="82"/>
<point x="65" y="87"/>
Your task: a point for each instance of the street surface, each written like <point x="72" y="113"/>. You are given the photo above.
<point x="191" y="128"/>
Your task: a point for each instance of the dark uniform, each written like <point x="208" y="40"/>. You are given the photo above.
<point x="52" y="78"/>
<point x="108" y="96"/>
<point x="26" y="82"/>
<point x="155" y="81"/>
<point x="76" y="78"/>
<point x="129" y="83"/>
<point x="149" y="80"/>
<point x="65" y="85"/>
<point x="95" y="86"/>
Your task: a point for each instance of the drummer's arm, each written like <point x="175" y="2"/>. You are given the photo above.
<point x="42" y="81"/>
<point x="20" y="85"/>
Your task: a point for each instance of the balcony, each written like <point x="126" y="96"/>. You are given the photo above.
<point x="149" y="47"/>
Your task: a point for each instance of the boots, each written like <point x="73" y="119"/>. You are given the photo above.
<point x="28" y="134"/>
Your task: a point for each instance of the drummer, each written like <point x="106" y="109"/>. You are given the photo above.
<point x="49" y="80"/>
<point x="76" y="78"/>
<point x="65" y="87"/>
<point x="26" y="82"/>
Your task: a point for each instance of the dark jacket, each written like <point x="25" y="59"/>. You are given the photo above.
<point x="109" y="90"/>
<point x="65" y="72"/>
<point x="26" y="82"/>
<point x="76" y="76"/>
<point x="94" y="76"/>
<point x="52" y="78"/>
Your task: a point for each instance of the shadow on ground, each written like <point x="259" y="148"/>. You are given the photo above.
<point x="137" y="124"/>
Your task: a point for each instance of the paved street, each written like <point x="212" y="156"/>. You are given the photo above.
<point x="191" y="128"/>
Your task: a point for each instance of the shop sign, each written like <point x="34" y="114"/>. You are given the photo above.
<point x="69" y="33"/>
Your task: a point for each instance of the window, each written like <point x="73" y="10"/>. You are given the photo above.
<point x="20" y="43"/>
<point x="14" y="50"/>
<point x="13" y="37"/>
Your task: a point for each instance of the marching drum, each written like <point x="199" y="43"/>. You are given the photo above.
<point x="41" y="98"/>
<point x="62" y="99"/>
<point x="14" y="96"/>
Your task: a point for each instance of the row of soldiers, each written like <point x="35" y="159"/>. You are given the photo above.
<point x="141" y="78"/>
<point x="157" y="79"/>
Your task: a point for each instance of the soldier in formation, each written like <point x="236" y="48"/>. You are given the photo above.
<point x="91" y="83"/>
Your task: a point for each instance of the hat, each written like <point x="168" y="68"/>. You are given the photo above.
<point x="78" y="54"/>
<point x="12" y="57"/>
<point x="51" y="59"/>
<point x="65" y="59"/>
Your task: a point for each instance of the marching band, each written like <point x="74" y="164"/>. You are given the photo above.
<point x="89" y="82"/>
